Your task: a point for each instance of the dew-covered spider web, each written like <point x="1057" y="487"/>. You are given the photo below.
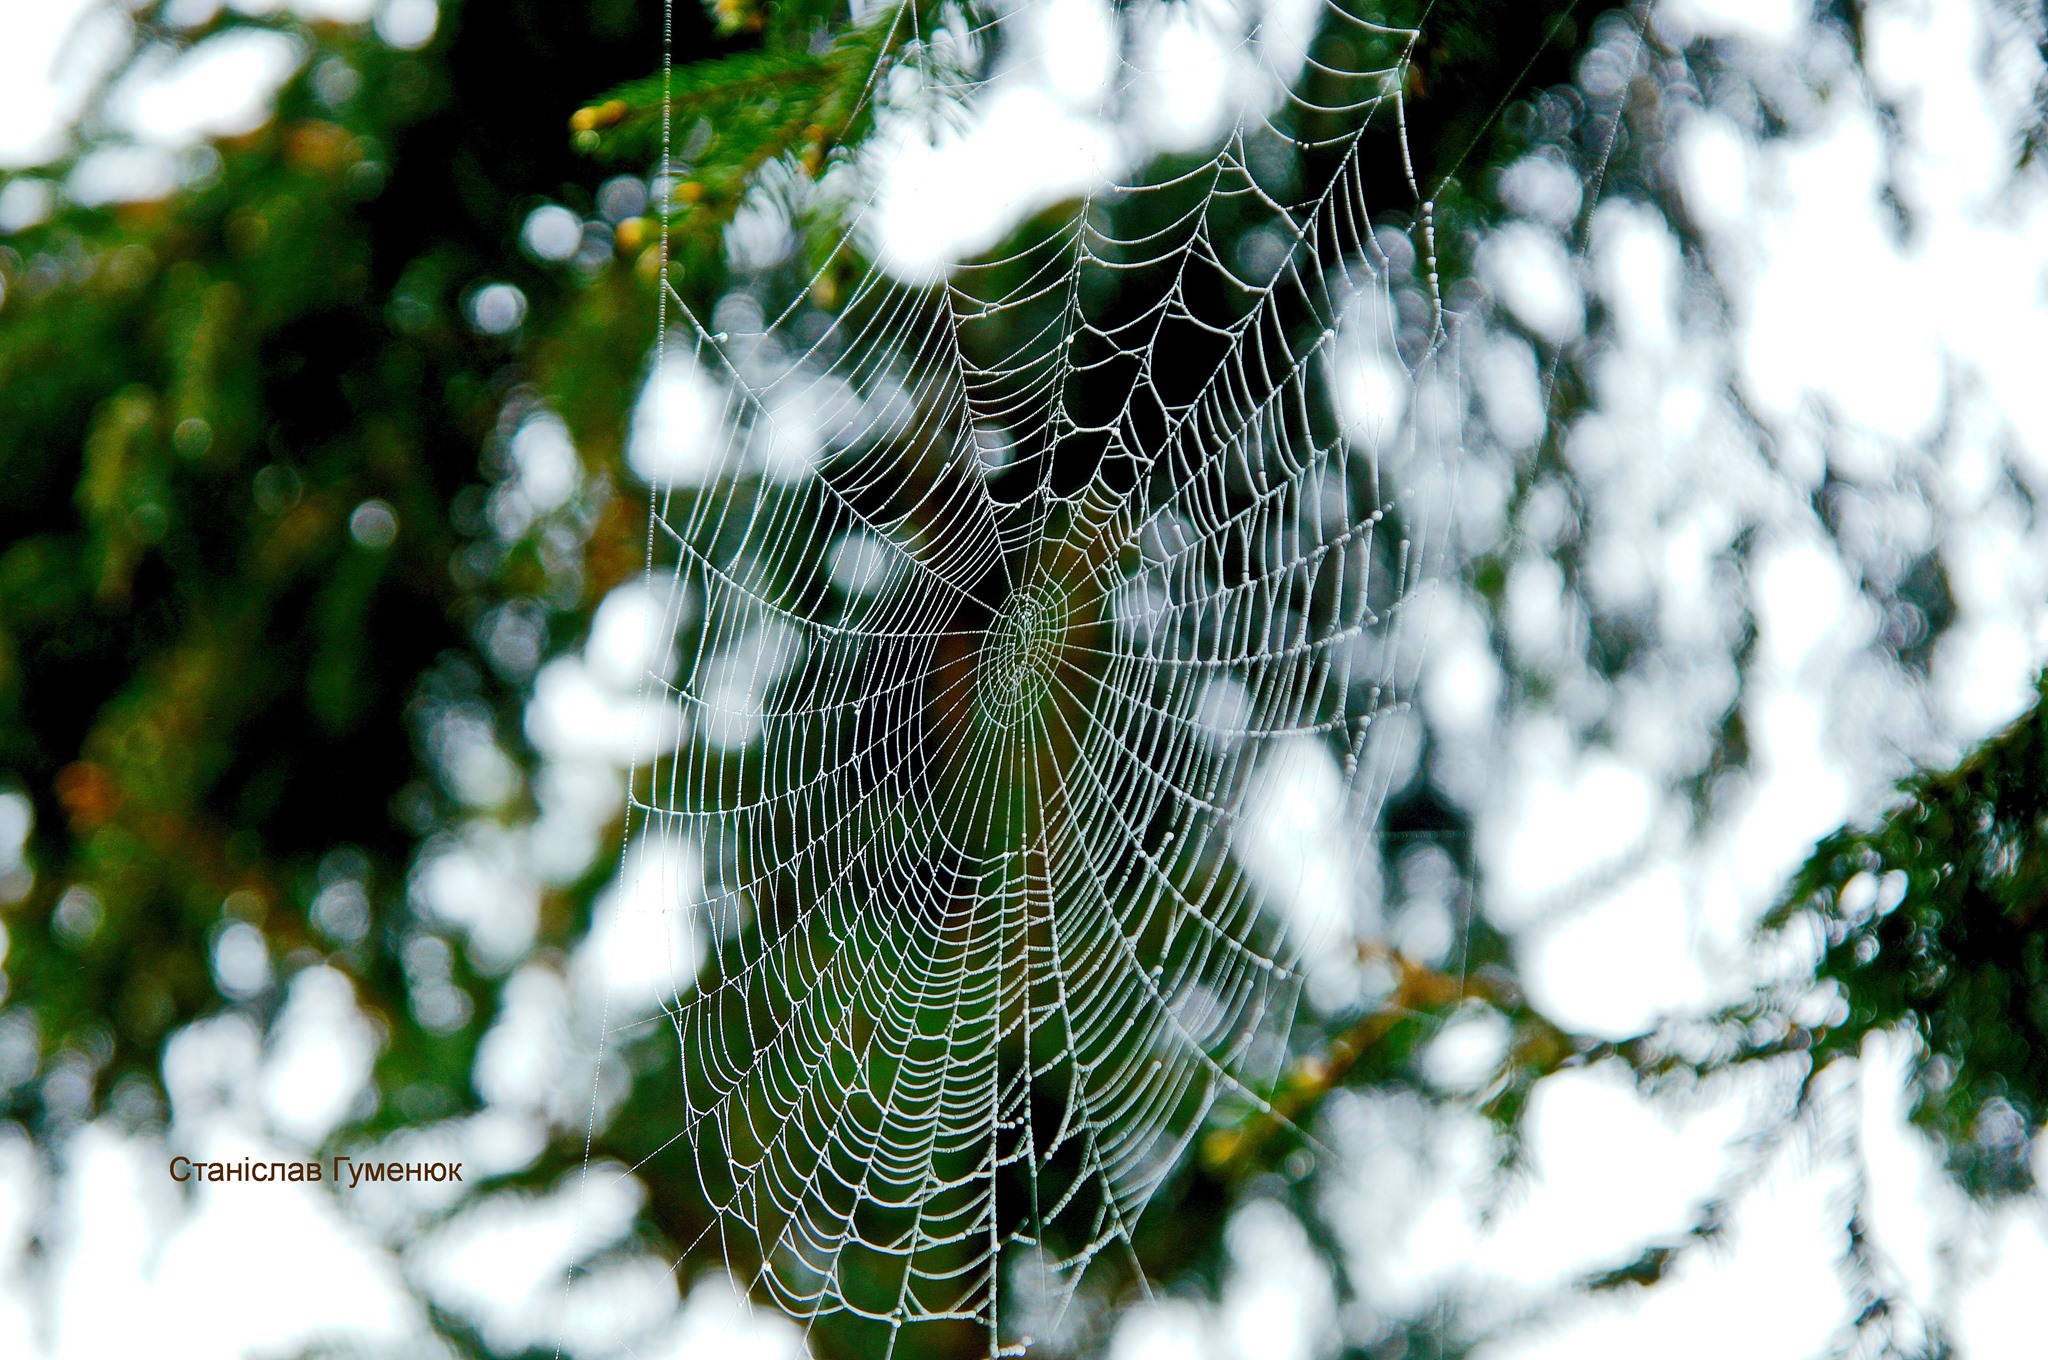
<point x="1040" y="619"/>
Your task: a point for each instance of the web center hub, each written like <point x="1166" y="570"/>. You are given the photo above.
<point x="1019" y="653"/>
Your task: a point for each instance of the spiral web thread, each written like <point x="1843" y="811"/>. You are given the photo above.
<point x="987" y="686"/>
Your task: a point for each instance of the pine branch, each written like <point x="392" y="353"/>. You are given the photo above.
<point x="731" y="116"/>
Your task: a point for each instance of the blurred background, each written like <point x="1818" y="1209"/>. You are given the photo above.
<point x="329" y="417"/>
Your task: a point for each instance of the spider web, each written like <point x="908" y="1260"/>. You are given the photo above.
<point x="1035" y="624"/>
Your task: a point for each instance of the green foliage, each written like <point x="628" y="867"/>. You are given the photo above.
<point x="1930" y="923"/>
<point x="730" y="115"/>
<point x="806" y="97"/>
<point x="244" y="559"/>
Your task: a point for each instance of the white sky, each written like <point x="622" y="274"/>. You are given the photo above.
<point x="1831" y="310"/>
<point x="42" y="84"/>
